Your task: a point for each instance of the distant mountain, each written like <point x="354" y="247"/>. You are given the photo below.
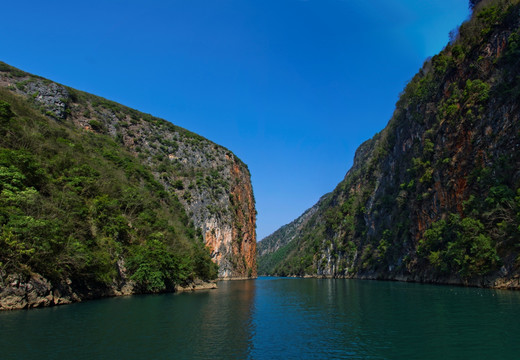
<point x="99" y="199"/>
<point x="435" y="196"/>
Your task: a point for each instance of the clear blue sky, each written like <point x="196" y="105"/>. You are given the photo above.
<point x="290" y="86"/>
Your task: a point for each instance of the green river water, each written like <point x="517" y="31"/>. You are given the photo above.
<point x="276" y="318"/>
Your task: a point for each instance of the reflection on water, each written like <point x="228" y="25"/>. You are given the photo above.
<point x="212" y="324"/>
<point x="226" y="320"/>
<point x="275" y="319"/>
<point x="353" y="319"/>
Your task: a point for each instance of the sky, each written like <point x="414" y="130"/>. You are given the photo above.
<point x="292" y="87"/>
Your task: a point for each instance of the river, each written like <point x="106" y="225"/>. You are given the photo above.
<point x="276" y="318"/>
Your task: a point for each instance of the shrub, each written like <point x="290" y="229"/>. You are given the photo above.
<point x="96" y="125"/>
<point x="458" y="245"/>
<point x="5" y="112"/>
<point x="153" y="267"/>
<point x="178" y="184"/>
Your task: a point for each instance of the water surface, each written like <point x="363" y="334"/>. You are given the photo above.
<point x="276" y="318"/>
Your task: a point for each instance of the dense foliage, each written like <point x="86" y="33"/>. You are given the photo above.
<point x="74" y="204"/>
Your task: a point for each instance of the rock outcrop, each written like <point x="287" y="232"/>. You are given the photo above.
<point x="22" y="292"/>
<point x="36" y="291"/>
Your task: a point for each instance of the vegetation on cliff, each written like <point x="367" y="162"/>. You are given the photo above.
<point x="97" y="196"/>
<point x="74" y="204"/>
<point x="435" y="196"/>
<point x="209" y="182"/>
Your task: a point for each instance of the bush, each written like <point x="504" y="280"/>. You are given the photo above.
<point x="203" y="267"/>
<point x="178" y="185"/>
<point x="5" y="112"/>
<point x="154" y="267"/>
<point x="458" y="245"/>
<point x="96" y="125"/>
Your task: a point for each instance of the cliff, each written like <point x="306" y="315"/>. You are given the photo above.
<point x="435" y="196"/>
<point x="81" y="172"/>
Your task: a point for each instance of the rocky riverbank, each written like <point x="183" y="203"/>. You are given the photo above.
<point x="502" y="282"/>
<point x="36" y="291"/>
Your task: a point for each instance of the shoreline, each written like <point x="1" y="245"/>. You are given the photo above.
<point x="38" y="292"/>
<point x="511" y="283"/>
<point x="237" y="278"/>
<point x="196" y="286"/>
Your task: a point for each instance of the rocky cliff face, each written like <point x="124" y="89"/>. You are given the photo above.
<point x="435" y="196"/>
<point x="211" y="183"/>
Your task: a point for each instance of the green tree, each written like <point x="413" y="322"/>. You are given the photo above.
<point x="458" y="245"/>
<point x="154" y="267"/>
<point x="6" y="114"/>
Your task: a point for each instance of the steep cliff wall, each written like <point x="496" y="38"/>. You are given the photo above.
<point x="434" y="196"/>
<point x="210" y="183"/>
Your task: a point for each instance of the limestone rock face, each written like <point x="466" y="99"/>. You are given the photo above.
<point x="33" y="292"/>
<point x="52" y="97"/>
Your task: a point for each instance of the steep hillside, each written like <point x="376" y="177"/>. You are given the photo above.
<point x="435" y="196"/>
<point x="99" y="199"/>
<point x="268" y="255"/>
